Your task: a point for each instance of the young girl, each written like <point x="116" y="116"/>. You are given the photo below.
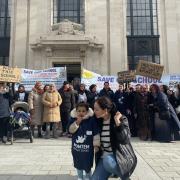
<point x="85" y="136"/>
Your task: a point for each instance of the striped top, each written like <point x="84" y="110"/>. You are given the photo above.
<point x="105" y="138"/>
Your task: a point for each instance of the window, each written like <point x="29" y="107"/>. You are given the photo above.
<point x="72" y="10"/>
<point x="142" y="17"/>
<point x="4" y="61"/>
<point x="5" y="6"/>
<point x="5" y="22"/>
<point x="142" y="32"/>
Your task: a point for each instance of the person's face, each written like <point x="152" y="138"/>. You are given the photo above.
<point x="82" y="87"/>
<point x="21" y="89"/>
<point x="141" y="89"/>
<point x="153" y="90"/>
<point x="39" y="86"/>
<point x="106" y="86"/>
<point x="52" y="87"/>
<point x="94" y="89"/>
<point x="2" y="87"/>
<point x="145" y="89"/>
<point x="81" y="112"/>
<point x="120" y="87"/>
<point x="161" y="88"/>
<point x="137" y="88"/>
<point x="46" y="88"/>
<point x="98" y="111"/>
<point x="169" y="92"/>
<point x="66" y="86"/>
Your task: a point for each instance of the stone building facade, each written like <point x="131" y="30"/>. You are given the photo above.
<point x="43" y="34"/>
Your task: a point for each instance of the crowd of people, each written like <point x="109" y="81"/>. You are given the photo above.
<point x="148" y="112"/>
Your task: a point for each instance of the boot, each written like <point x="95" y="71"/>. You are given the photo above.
<point x="54" y="128"/>
<point x="39" y="132"/>
<point x="47" y="135"/>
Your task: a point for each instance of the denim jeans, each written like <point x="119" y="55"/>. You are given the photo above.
<point x="105" y="167"/>
<point x="80" y="174"/>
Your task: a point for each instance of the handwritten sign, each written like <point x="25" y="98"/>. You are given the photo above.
<point x="8" y="74"/>
<point x="126" y="76"/>
<point x="151" y="70"/>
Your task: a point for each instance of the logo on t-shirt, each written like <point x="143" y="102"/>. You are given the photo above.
<point x="80" y="139"/>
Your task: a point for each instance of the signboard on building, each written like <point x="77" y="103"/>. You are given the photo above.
<point x="126" y="76"/>
<point x="48" y="76"/>
<point x="151" y="70"/>
<point x="8" y="74"/>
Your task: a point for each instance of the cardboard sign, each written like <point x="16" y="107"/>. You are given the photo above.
<point x="126" y="76"/>
<point x="151" y="70"/>
<point x="8" y="74"/>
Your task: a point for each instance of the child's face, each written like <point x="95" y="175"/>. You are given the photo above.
<point x="81" y="111"/>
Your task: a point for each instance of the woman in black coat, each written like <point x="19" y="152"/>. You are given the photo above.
<point x="165" y="110"/>
<point x="115" y="141"/>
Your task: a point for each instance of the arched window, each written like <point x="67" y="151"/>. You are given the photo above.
<point x="142" y="31"/>
<point x="72" y="10"/>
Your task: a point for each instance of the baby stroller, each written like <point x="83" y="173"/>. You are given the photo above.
<point x="20" y="120"/>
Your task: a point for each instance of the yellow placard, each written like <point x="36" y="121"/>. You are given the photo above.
<point x="151" y="70"/>
<point x="8" y="74"/>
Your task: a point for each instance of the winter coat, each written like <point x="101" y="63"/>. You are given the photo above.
<point x="119" y="136"/>
<point x="120" y="101"/>
<point x="84" y="138"/>
<point x="16" y="97"/>
<point x="109" y="93"/>
<point x="91" y="99"/>
<point x="5" y="101"/>
<point x="35" y="102"/>
<point x="68" y="100"/>
<point x="85" y="94"/>
<point x="162" y="104"/>
<point x="51" y="114"/>
<point x="141" y="108"/>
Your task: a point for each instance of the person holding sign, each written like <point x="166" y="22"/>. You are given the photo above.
<point x="5" y="102"/>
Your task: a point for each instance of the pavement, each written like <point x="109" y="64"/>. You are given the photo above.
<point x="51" y="160"/>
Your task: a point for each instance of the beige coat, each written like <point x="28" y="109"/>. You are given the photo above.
<point x="35" y="102"/>
<point x="51" y="114"/>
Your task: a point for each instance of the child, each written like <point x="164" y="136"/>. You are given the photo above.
<point x="85" y="137"/>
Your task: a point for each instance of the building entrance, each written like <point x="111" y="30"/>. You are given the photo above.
<point x="73" y="70"/>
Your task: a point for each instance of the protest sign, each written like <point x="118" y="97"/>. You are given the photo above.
<point x="48" y="76"/>
<point x="126" y="76"/>
<point x="151" y="70"/>
<point x="8" y="74"/>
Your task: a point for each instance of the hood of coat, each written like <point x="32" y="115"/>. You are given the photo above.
<point x="89" y="114"/>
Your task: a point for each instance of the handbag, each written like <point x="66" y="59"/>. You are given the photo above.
<point x="126" y="160"/>
<point x="164" y="115"/>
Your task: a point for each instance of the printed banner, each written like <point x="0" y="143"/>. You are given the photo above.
<point x="53" y="75"/>
<point x="8" y="74"/>
<point x="151" y="70"/>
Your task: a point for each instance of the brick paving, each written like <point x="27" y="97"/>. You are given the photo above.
<point x="51" y="160"/>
